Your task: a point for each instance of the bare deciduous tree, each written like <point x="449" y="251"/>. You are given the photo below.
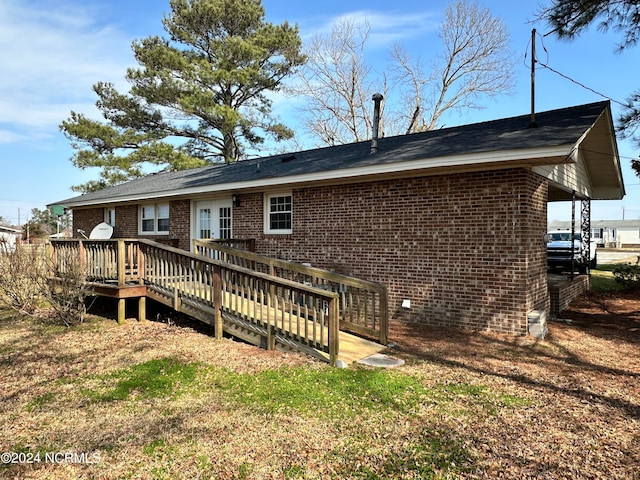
<point x="475" y="63"/>
<point x="68" y="291"/>
<point x="22" y="277"/>
<point x="338" y="85"/>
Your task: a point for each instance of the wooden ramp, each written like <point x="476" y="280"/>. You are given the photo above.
<point x="287" y="307"/>
<point x="354" y="349"/>
<point x="251" y="321"/>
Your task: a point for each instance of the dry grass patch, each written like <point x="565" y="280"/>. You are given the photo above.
<point x="158" y="401"/>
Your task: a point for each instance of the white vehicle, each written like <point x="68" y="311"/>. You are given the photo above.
<point x="559" y="251"/>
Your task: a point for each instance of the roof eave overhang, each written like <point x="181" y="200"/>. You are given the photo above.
<point x="493" y="160"/>
<point x="599" y="149"/>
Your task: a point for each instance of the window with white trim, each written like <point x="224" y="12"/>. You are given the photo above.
<point x="278" y="213"/>
<point x="154" y="218"/>
<point x="110" y="216"/>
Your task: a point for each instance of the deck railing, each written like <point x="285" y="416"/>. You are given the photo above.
<point x="248" y="244"/>
<point x="104" y="261"/>
<point x="285" y="312"/>
<point x="362" y="305"/>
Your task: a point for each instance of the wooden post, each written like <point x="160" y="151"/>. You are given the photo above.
<point x="141" y="265"/>
<point x="142" y="309"/>
<point x="176" y="299"/>
<point x="216" y="295"/>
<point x="384" y="317"/>
<point x="272" y="272"/>
<point x="334" y="331"/>
<point x="271" y="338"/>
<point x="83" y="256"/>
<point x="51" y="268"/>
<point x="120" y="259"/>
<point x="121" y="311"/>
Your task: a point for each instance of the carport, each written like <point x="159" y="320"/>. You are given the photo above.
<point x="591" y="171"/>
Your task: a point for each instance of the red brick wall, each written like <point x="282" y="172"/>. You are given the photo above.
<point x="180" y="223"/>
<point x="534" y="231"/>
<point x="466" y="249"/>
<point x="563" y="293"/>
<point x="127" y="223"/>
<point x="86" y="219"/>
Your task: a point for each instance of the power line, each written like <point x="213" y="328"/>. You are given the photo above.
<point x="623" y="157"/>
<point x="624" y="105"/>
<point x="566" y="77"/>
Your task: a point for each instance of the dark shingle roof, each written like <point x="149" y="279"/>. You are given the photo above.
<point x="556" y="127"/>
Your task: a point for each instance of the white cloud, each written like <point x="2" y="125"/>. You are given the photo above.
<point x="51" y="55"/>
<point x="387" y="27"/>
<point x="7" y="136"/>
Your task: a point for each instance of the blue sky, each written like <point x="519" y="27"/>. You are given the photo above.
<point x="53" y="51"/>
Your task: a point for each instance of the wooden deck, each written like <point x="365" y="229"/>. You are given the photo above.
<point x="257" y="307"/>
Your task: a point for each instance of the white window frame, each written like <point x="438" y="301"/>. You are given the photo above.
<point x="268" y="212"/>
<point x="156" y="209"/>
<point x="110" y="216"/>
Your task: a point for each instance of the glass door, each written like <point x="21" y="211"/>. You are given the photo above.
<point x="213" y="219"/>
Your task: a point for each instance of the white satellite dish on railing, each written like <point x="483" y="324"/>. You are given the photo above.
<point x="102" y="231"/>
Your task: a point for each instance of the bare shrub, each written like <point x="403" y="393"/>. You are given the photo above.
<point x="67" y="290"/>
<point x="29" y="280"/>
<point x="23" y="277"/>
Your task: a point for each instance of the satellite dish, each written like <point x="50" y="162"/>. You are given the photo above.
<point x="102" y="231"/>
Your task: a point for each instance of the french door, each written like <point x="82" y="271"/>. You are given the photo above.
<point x="213" y="219"/>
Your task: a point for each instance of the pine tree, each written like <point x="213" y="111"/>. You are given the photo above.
<point x="199" y="96"/>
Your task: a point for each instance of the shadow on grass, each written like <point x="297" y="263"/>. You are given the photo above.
<point x="471" y="351"/>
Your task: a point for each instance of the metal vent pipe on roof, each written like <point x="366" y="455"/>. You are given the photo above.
<point x="377" y="99"/>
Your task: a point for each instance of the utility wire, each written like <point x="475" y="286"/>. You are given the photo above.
<point x="624" y="157"/>
<point x="625" y="105"/>
<point x="566" y="77"/>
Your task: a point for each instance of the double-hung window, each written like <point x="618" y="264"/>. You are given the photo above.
<point x="110" y="216"/>
<point x="154" y="219"/>
<point x="278" y="213"/>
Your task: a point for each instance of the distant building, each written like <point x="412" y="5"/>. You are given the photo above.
<point x="9" y="236"/>
<point x="610" y="233"/>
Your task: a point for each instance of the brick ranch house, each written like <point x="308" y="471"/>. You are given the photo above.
<point x="452" y="221"/>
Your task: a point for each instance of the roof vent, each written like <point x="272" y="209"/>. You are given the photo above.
<point x="377" y="99"/>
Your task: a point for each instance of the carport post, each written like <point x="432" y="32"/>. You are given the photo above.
<point x="573" y="233"/>
<point x="585" y="245"/>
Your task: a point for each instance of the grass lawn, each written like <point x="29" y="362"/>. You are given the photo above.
<point x="156" y="401"/>
<point x="602" y="280"/>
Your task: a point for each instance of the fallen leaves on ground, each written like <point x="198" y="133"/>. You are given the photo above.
<point x="509" y="407"/>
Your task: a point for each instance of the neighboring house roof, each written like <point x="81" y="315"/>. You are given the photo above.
<point x="503" y="143"/>
<point x="632" y="223"/>
<point x="8" y="229"/>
